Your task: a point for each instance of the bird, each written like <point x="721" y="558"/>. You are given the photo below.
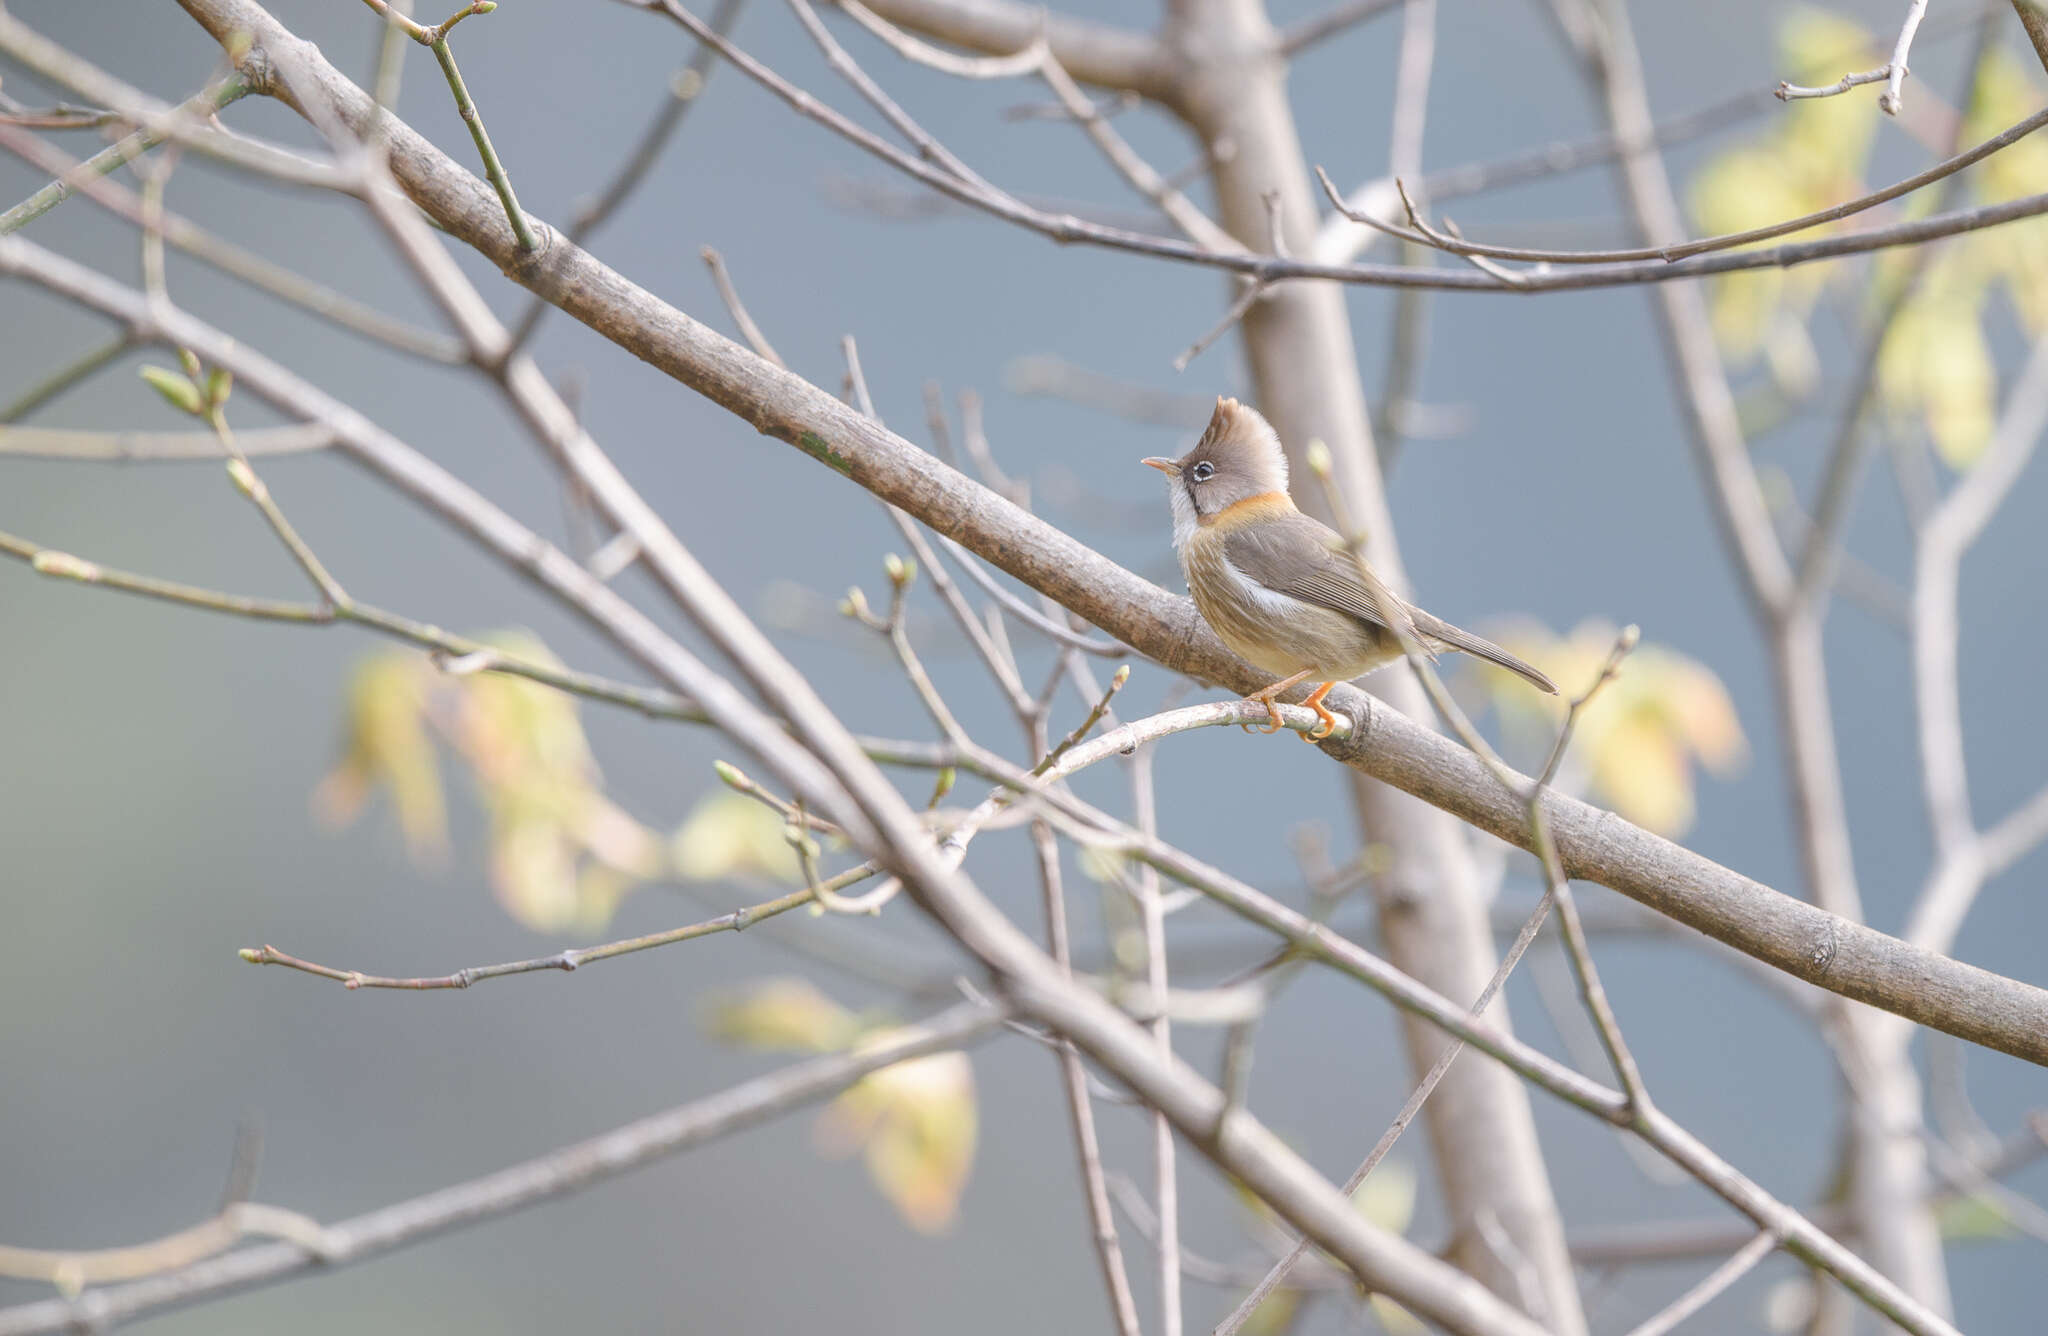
<point x="1281" y="589"/>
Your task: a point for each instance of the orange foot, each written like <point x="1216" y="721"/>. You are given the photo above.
<point x="1265" y="698"/>
<point x="1327" y="722"/>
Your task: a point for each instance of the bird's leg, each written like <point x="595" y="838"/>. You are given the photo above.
<point x="1328" y="724"/>
<point x="1265" y="696"/>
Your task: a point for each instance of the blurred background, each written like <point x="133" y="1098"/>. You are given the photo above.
<point x="158" y="765"/>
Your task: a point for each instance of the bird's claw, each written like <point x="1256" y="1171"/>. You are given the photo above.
<point x="1272" y="714"/>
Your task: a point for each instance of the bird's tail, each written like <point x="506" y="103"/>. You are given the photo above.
<point x="1436" y="628"/>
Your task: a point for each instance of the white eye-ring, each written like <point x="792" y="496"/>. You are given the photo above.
<point x="1204" y="471"/>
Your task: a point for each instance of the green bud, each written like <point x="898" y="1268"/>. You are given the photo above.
<point x="178" y="391"/>
<point x="246" y="480"/>
<point x="66" y="567"/>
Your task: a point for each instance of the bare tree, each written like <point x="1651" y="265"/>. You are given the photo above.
<point x="1430" y="806"/>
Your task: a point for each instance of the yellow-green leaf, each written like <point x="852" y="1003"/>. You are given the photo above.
<point x="1275" y="1314"/>
<point x="730" y="836"/>
<point x="784" y="1015"/>
<point x="388" y="748"/>
<point x="916" y="1123"/>
<point x="1636" y="742"/>
<point x="1387" y="1196"/>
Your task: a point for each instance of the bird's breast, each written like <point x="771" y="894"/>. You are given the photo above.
<point x="1271" y="630"/>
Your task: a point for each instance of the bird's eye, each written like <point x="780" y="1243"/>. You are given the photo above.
<point x="1204" y="471"/>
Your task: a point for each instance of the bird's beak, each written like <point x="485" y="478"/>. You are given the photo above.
<point x="1170" y="467"/>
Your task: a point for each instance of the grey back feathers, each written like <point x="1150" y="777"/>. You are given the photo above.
<point x="1303" y="558"/>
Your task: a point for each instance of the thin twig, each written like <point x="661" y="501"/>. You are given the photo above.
<point x="1892" y="99"/>
<point x="928" y="146"/>
<point x="1282" y="1269"/>
<point x="1074" y="1081"/>
<point x="1304" y="33"/>
<point x="1152" y="914"/>
<point x="970" y="565"/>
<point x="685" y="87"/>
<point x="60" y="380"/>
<point x="739" y="920"/>
<point x="201" y="104"/>
<point x="71" y="1272"/>
<point x="1710" y="1286"/>
<point x="1421" y="233"/>
<point x="1252" y="290"/>
<point x="435" y="38"/>
<point x="1025" y="60"/>
<point x="1067" y="228"/>
<point x="729" y="294"/>
<point x="559" y="1172"/>
<point x="276" y="279"/>
<point x="63" y="565"/>
<point x="1791" y="92"/>
<point x="1413" y="72"/>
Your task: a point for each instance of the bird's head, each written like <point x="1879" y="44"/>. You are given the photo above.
<point x="1238" y="457"/>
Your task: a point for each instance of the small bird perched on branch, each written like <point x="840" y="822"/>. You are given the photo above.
<point x="1279" y="587"/>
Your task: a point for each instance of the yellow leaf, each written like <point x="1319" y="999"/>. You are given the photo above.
<point x="1275" y="1314"/>
<point x="1813" y="157"/>
<point x="533" y="867"/>
<point x="1635" y="741"/>
<point x="1640" y="770"/>
<point x="1397" y="1320"/>
<point x="519" y="732"/>
<point x="1935" y="364"/>
<point x="786" y="1015"/>
<point x="1387" y="1197"/>
<point x="615" y="839"/>
<point x="388" y="748"/>
<point x="1697" y="709"/>
<point x="917" y="1122"/>
<point x="731" y="836"/>
<point x="2006" y="91"/>
<point x="562" y="854"/>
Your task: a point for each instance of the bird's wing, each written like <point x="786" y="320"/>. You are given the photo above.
<point x="1301" y="557"/>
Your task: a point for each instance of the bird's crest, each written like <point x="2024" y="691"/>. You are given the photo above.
<point x="1239" y="424"/>
<point x="1236" y="423"/>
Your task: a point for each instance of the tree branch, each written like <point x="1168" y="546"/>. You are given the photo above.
<point x="555" y="1174"/>
<point x="1094" y="53"/>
